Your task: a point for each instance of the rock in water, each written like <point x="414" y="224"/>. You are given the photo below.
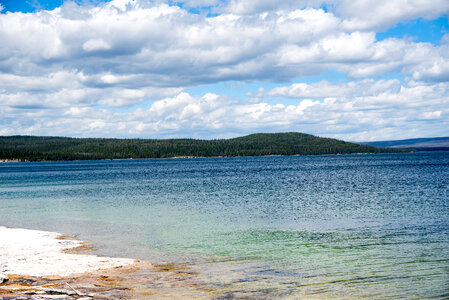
<point x="3" y="278"/>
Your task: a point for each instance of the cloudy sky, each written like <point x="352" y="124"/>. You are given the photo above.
<point x="357" y="70"/>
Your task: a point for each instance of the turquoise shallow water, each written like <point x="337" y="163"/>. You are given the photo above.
<point x="341" y="226"/>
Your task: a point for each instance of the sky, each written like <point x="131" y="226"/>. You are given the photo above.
<point x="357" y="70"/>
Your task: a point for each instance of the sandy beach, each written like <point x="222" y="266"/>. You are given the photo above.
<point x="47" y="265"/>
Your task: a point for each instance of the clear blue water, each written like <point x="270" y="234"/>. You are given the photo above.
<point x="341" y="226"/>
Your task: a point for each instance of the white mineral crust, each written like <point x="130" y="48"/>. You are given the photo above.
<point x="40" y="253"/>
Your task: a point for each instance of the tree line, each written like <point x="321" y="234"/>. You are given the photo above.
<point x="38" y="148"/>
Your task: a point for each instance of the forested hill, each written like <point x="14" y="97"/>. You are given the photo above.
<point x="34" y="148"/>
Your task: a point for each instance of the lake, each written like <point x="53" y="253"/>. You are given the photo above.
<point x="336" y="226"/>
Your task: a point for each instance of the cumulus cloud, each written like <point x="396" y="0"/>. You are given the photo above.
<point x="61" y="89"/>
<point x="356" y="14"/>
<point x="381" y="14"/>
<point x="65" y="71"/>
<point x="259" y="6"/>
<point x="95" y="44"/>
<point x="140" y="43"/>
<point x="173" y="47"/>
<point x="323" y="89"/>
<point x="364" y="110"/>
<point x="361" y="110"/>
<point x="432" y="67"/>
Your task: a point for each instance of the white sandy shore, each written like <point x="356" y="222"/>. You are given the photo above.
<point x="41" y="253"/>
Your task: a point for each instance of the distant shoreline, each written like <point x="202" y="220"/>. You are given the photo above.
<point x="8" y="160"/>
<point x="35" y="148"/>
<point x="193" y="157"/>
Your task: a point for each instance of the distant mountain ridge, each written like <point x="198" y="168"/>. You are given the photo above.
<point x="34" y="148"/>
<point x="431" y="144"/>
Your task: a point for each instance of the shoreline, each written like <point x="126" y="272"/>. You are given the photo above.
<point x="46" y="265"/>
<point x="41" y="253"/>
<point x="40" y="265"/>
<point x="10" y="160"/>
<point x="14" y="160"/>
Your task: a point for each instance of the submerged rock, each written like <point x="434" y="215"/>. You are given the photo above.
<point x="3" y="278"/>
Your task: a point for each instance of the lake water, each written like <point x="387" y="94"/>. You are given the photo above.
<point x="343" y="226"/>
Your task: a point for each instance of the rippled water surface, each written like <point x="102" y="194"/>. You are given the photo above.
<point x="327" y="226"/>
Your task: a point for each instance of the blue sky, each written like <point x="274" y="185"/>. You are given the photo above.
<point x="355" y="70"/>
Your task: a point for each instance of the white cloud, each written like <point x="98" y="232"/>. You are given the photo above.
<point x="365" y="110"/>
<point x="62" y="88"/>
<point x="381" y="14"/>
<point x="356" y="14"/>
<point x="445" y="39"/>
<point x="139" y="44"/>
<point x="95" y="44"/>
<point x="55" y="66"/>
<point x="323" y="89"/>
<point x="431" y="67"/>
<point x="258" y="6"/>
<point x="360" y="110"/>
